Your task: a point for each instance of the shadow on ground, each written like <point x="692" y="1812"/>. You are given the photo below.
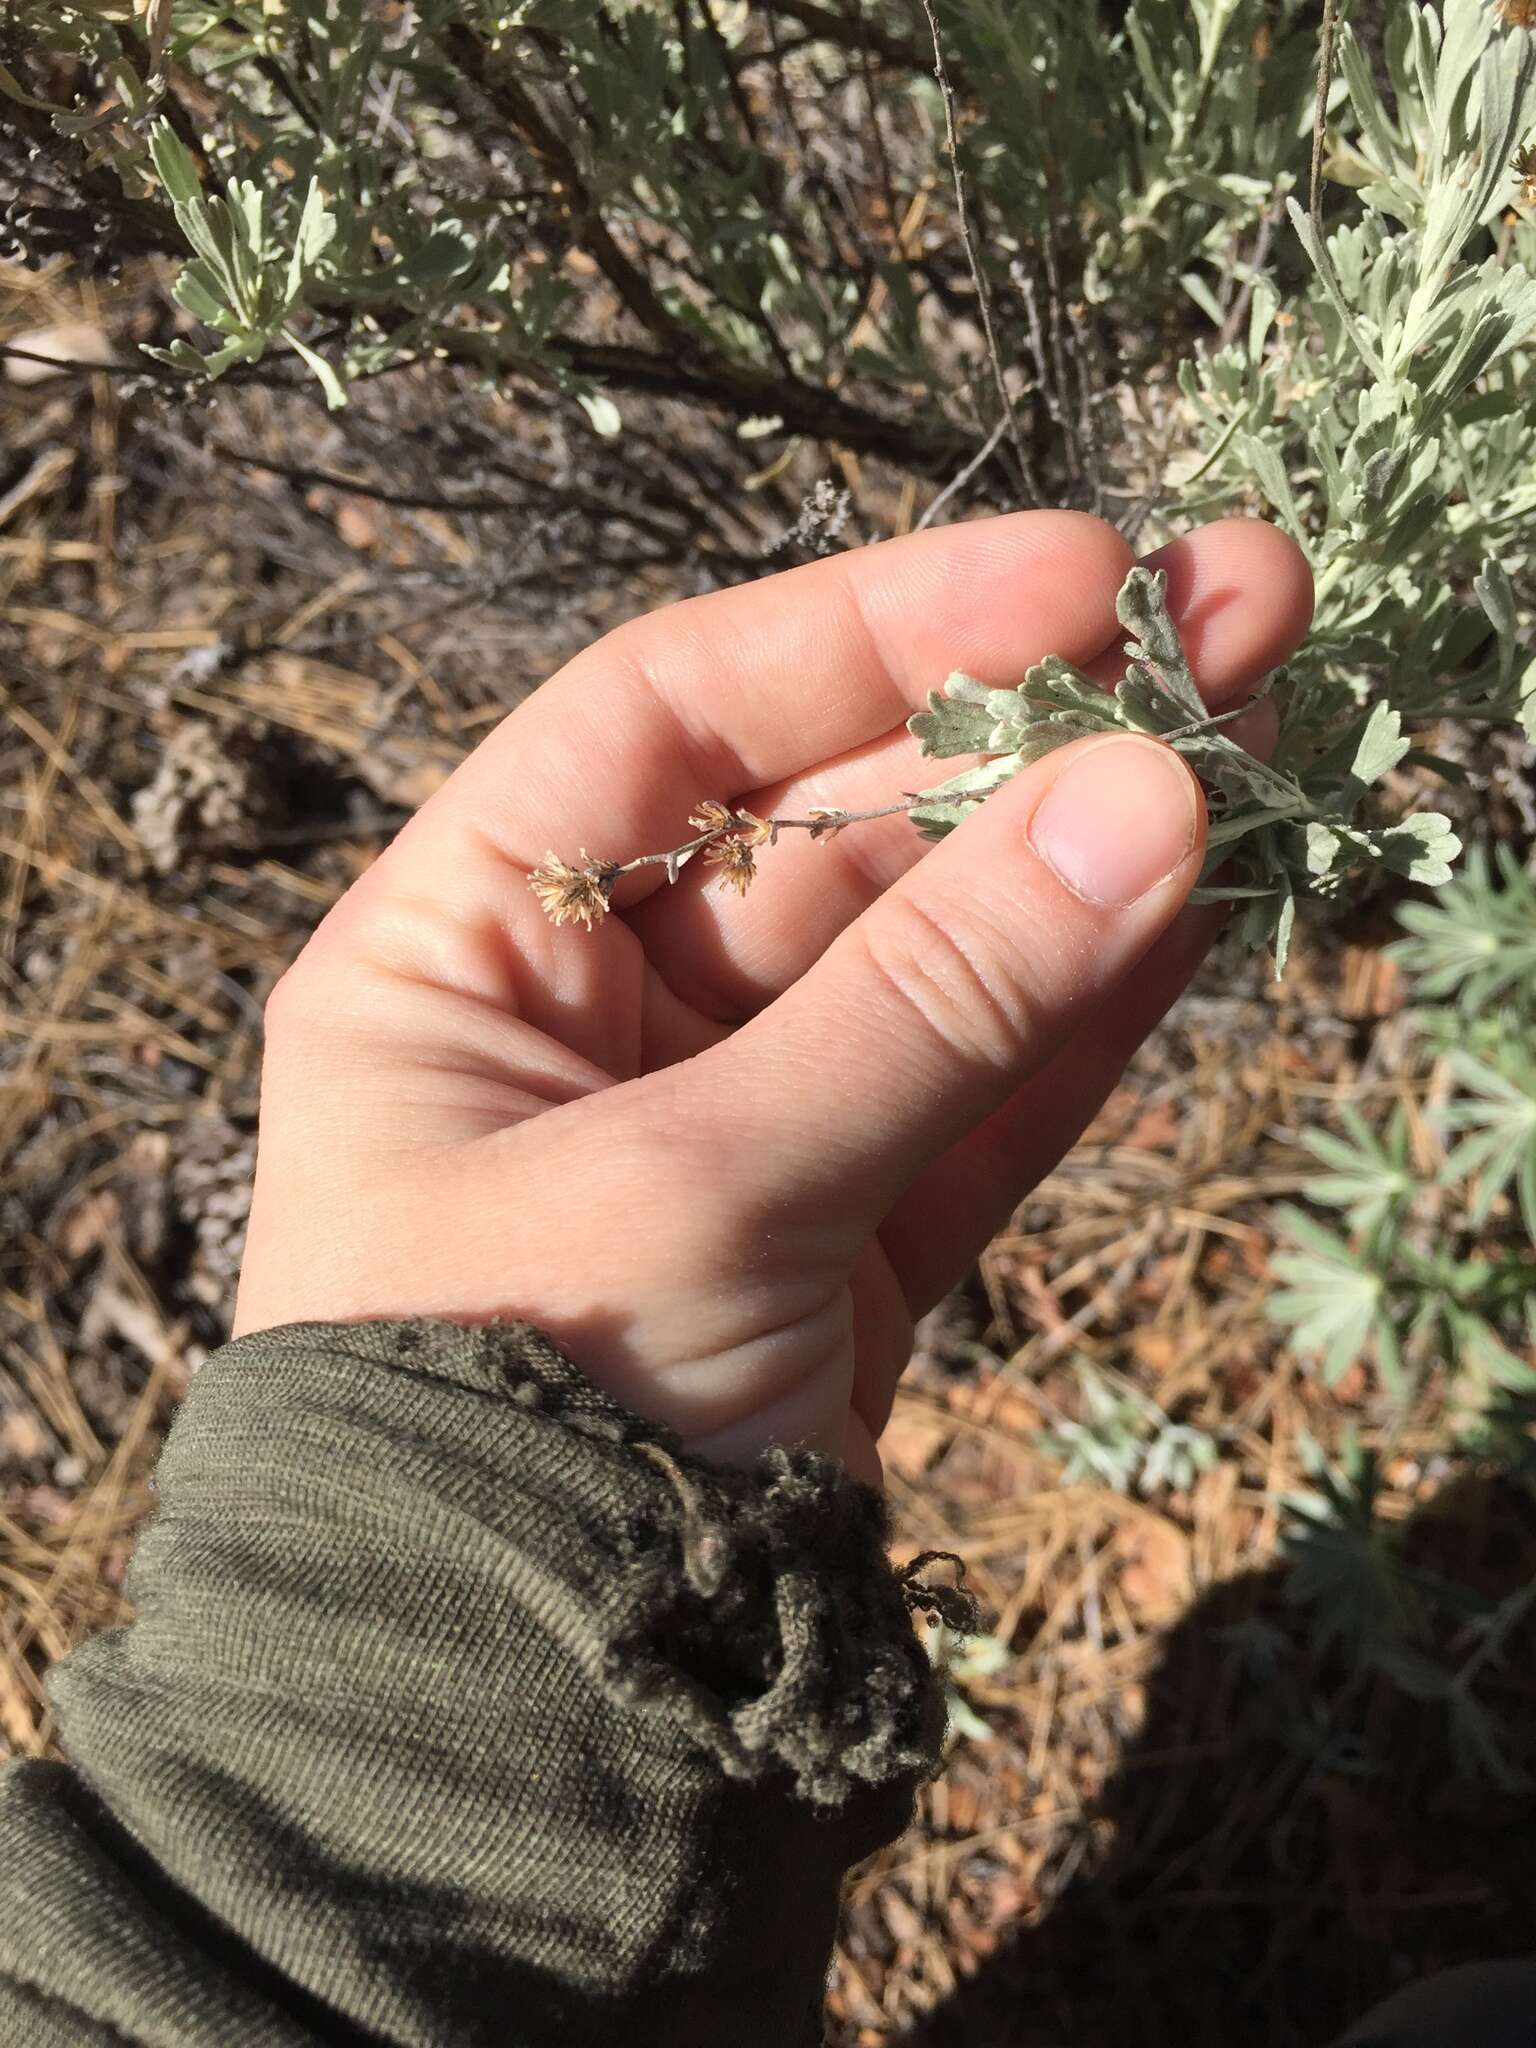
<point x="1291" y="1844"/>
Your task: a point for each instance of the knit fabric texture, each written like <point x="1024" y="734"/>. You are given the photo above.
<point x="461" y="1706"/>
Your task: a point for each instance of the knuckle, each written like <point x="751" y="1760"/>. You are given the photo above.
<point x="959" y="979"/>
<point x="282" y="1001"/>
<point x="299" y="1003"/>
<point x="339" y="974"/>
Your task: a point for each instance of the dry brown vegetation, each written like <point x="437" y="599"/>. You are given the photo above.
<point x="222" y="687"/>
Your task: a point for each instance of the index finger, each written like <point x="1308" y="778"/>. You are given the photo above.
<point x="718" y="695"/>
<point x="713" y="697"/>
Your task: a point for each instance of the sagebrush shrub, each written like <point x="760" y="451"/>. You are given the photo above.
<point x="1437" y="1267"/>
<point x="715" y="202"/>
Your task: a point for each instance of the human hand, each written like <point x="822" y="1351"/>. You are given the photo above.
<point x="724" y="1150"/>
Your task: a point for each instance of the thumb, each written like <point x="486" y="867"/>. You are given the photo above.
<point x="935" y="1005"/>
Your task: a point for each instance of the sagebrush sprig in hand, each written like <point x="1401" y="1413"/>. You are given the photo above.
<point x="1057" y="703"/>
<point x="1054" y="705"/>
<point x="1275" y="832"/>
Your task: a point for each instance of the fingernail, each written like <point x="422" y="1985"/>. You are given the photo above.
<point x="1118" y="820"/>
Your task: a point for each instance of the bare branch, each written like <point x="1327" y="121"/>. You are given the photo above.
<point x="1320" y="115"/>
<point x="958" y="483"/>
<point x="427" y="501"/>
<point x="983" y="297"/>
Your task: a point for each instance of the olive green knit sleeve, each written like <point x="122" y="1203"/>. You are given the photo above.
<point x="460" y="1708"/>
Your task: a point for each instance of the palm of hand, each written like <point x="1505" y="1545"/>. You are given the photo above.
<point x="726" y="1147"/>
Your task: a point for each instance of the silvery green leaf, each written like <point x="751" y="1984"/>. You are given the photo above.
<point x="197" y="289"/>
<point x="1462" y="44"/>
<point x="1055" y="703"/>
<point x="1379" y="479"/>
<point x="1059" y="730"/>
<point x="1053" y="692"/>
<point x="174" y="164"/>
<point x="936" y="819"/>
<point x="1060" y="682"/>
<point x="1476" y="945"/>
<point x="1323" y="845"/>
<point x="247" y="204"/>
<point x="1422" y="848"/>
<point x="1263" y="458"/>
<point x="237" y="223"/>
<point x="182" y="356"/>
<point x="207" y="229"/>
<point x="448" y="255"/>
<point x="1241" y="823"/>
<point x="1331" y="850"/>
<point x="950" y="803"/>
<point x="1231" y="892"/>
<point x="316" y="231"/>
<point x="980" y="780"/>
<point x="1367" y="1175"/>
<point x="1528" y="703"/>
<point x="1381" y="746"/>
<point x="1497" y="599"/>
<point x="1504" y="77"/>
<point x="1477" y="344"/>
<point x="957" y="720"/>
<point x="1142" y="608"/>
<point x="1262" y="309"/>
<point x="1017" y="720"/>
<point x="1373" y="116"/>
<point x="1223" y="761"/>
<point x="1498" y="1112"/>
<point x="330" y="383"/>
<point x="1189" y="384"/>
<point x="1143" y="705"/>
<point x="1273" y="921"/>
<point x="1203" y="296"/>
<point x="1285" y="927"/>
<point x="602" y="412"/>
<point x="1328" y="277"/>
<point x="1331" y="1300"/>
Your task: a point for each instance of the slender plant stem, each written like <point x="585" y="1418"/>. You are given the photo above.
<point x="671" y="858"/>
<point x="983" y="296"/>
<point x="825" y="824"/>
<point x="959" y="482"/>
<point x="1233" y="324"/>
<point x="820" y="824"/>
<point x="1320" y="114"/>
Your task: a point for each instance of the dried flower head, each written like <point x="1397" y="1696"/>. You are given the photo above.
<point x="1518" y="13"/>
<point x="573" y="895"/>
<point x="738" y="863"/>
<point x="1524" y="168"/>
<point x="711" y="816"/>
<point x="714" y="816"/>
